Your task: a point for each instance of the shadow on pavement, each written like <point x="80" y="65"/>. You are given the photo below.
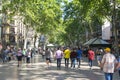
<point x="39" y="71"/>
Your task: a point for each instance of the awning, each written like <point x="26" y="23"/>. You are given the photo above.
<point x="97" y="42"/>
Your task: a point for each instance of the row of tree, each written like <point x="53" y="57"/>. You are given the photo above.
<point x="67" y="22"/>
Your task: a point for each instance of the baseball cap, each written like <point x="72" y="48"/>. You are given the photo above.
<point x="107" y="49"/>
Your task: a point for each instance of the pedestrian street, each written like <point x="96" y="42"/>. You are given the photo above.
<point x="38" y="70"/>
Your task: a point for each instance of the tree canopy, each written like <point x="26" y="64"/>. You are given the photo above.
<point x="63" y="21"/>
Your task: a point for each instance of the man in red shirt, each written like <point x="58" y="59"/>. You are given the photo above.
<point x="91" y="56"/>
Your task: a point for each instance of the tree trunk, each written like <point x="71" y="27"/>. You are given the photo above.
<point x="35" y="37"/>
<point x="25" y="41"/>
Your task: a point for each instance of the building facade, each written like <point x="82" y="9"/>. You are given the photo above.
<point x="19" y="30"/>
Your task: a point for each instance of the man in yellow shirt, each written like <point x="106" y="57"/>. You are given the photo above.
<point x="66" y="57"/>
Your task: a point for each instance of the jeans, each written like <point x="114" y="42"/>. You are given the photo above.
<point x="73" y="62"/>
<point x="66" y="62"/>
<point x="78" y="62"/>
<point x="108" y="76"/>
<point x="90" y="63"/>
<point x="59" y="62"/>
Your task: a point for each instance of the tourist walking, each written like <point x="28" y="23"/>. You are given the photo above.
<point x="91" y="56"/>
<point x="43" y="54"/>
<point x="28" y="56"/>
<point x="73" y="56"/>
<point x="6" y="51"/>
<point x="79" y="56"/>
<point x="58" y="56"/>
<point x="108" y="64"/>
<point x="19" y="57"/>
<point x="47" y="55"/>
<point x="24" y="55"/>
<point x="99" y="56"/>
<point x="67" y="56"/>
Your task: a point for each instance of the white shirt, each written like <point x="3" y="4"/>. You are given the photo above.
<point x="108" y="62"/>
<point x="59" y="54"/>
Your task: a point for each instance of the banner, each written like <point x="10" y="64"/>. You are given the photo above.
<point x="106" y="30"/>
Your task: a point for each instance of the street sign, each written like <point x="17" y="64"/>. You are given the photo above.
<point x="42" y="38"/>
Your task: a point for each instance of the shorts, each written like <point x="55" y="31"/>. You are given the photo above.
<point x="19" y="58"/>
<point x="48" y="59"/>
<point x="28" y="60"/>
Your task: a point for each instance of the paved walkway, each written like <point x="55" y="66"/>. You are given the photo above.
<point x="38" y="71"/>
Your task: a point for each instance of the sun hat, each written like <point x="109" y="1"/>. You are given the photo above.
<point x="107" y="49"/>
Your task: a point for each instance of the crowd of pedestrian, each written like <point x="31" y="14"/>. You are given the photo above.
<point x="106" y="60"/>
<point x="72" y="58"/>
<point x="19" y="55"/>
